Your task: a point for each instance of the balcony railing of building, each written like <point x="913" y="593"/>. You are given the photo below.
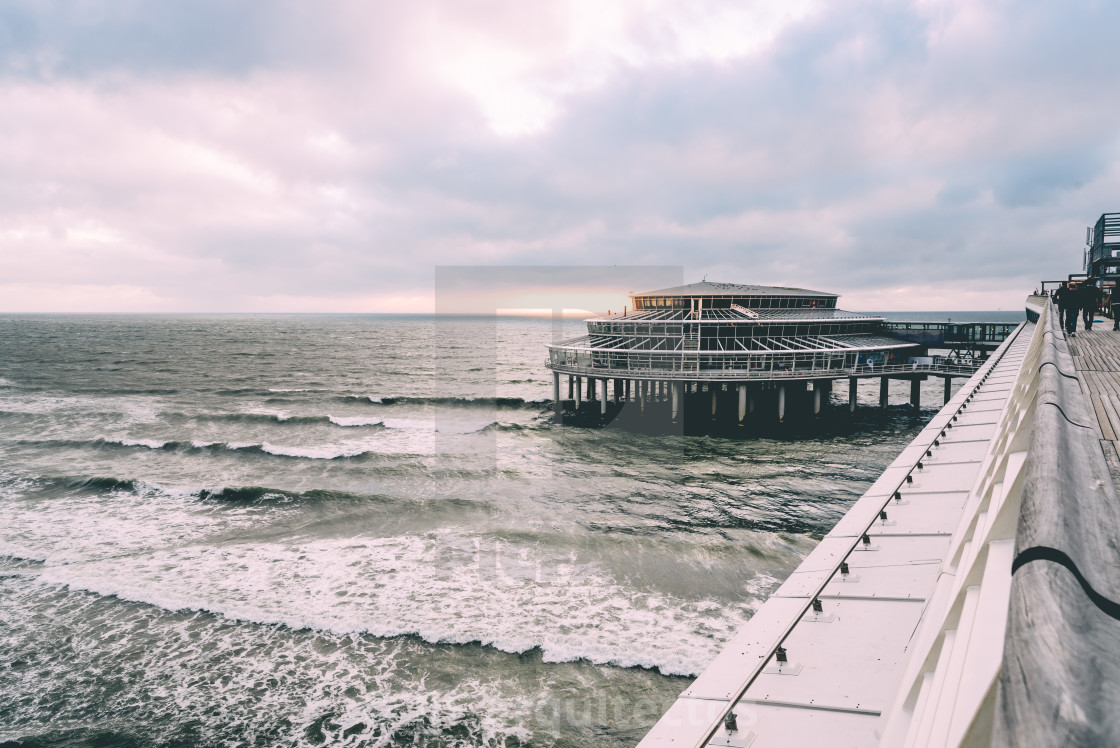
<point x="988" y="334"/>
<point x="654" y="365"/>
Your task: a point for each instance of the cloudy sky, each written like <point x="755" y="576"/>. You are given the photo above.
<point x="275" y="155"/>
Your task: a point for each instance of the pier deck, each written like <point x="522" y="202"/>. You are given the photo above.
<point x="1096" y="358"/>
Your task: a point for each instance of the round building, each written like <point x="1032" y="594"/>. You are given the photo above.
<point x="684" y="340"/>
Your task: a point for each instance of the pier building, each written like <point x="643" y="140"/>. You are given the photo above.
<point x="758" y="344"/>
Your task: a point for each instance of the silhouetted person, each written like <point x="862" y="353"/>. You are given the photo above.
<point x="1115" y="304"/>
<point x="1090" y="301"/>
<point x="1061" y="298"/>
<point x="1073" y="306"/>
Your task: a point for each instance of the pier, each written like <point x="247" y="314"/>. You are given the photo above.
<point x="969" y="597"/>
<point x="753" y="352"/>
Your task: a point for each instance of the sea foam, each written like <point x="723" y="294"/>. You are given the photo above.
<point x="442" y="587"/>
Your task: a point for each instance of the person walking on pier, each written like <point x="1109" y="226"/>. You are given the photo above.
<point x="1090" y="302"/>
<point x="1069" y="302"/>
<point x="1061" y="298"/>
<point x="1114" y="302"/>
<point x="1073" y="306"/>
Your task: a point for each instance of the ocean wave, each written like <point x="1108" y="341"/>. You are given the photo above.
<point x="255" y="495"/>
<point x="465" y="402"/>
<point x="506" y="427"/>
<point x="85" y="485"/>
<point x="272" y="419"/>
<point x="118" y="391"/>
<point x="69" y="486"/>
<point x="327" y="450"/>
<point x="99" y="484"/>
<point x="352" y="421"/>
<point x="310" y="452"/>
<point x="135" y="410"/>
<point x="219" y="683"/>
<point x="149" y="443"/>
<point x="442" y="587"/>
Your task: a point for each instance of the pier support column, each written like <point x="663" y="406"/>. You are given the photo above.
<point x="590" y="389"/>
<point x="676" y="399"/>
<point x="948" y="389"/>
<point x="626" y="385"/>
<point x="603" y="401"/>
<point x="642" y="394"/>
<point x="916" y="394"/>
<point x="715" y="393"/>
<point x="884" y="391"/>
<point x="579" y="392"/>
<point x="742" y="403"/>
<point x="618" y="390"/>
<point x="571" y="383"/>
<point x="556" y="393"/>
<point x="750" y="401"/>
<point x="853" y="391"/>
<point x="816" y="400"/>
<point x="781" y="403"/>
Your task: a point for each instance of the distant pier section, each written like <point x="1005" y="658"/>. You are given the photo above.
<point x="761" y="347"/>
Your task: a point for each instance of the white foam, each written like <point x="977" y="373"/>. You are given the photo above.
<point x="149" y="443"/>
<point x="320" y="452"/>
<point x="761" y="585"/>
<point x="241" y="682"/>
<point x="133" y="409"/>
<point x="442" y="586"/>
<point x="389" y="441"/>
<point x="76" y="529"/>
<point x="286" y="389"/>
<point x="355" y="421"/>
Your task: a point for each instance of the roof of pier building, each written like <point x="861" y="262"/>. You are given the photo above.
<point x="709" y="295"/>
<point x="711" y="288"/>
<point x="743" y="314"/>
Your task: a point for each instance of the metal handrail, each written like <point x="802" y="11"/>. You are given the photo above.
<point x="747" y="374"/>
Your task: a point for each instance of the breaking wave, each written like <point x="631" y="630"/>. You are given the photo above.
<point x="466" y="402"/>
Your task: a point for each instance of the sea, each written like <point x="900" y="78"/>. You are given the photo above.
<point x="363" y="530"/>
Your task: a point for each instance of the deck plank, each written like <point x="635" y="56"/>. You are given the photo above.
<point x="1096" y="360"/>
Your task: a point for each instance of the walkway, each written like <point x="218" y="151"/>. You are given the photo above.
<point x="1096" y="357"/>
<point x="822" y="660"/>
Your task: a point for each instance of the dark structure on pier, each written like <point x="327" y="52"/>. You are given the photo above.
<point x="763" y="342"/>
<point x="1103" y="259"/>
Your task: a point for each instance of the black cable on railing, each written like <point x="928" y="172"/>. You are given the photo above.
<point x="1059" y="407"/>
<point x="1067" y="376"/>
<point x="1110" y="608"/>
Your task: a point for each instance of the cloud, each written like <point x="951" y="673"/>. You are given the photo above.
<point x="276" y="156"/>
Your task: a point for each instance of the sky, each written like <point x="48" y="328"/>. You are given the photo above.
<point x="282" y="156"/>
